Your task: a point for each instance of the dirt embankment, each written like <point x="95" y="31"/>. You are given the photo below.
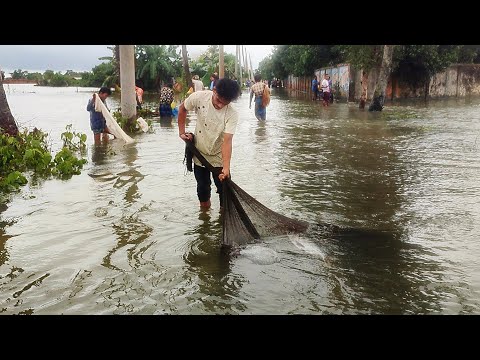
<point x="19" y="81"/>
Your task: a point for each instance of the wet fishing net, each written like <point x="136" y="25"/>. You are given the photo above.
<point x="245" y="219"/>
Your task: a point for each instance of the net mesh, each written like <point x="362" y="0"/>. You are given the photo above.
<point x="244" y="218"/>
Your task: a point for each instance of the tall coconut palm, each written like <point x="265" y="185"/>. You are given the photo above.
<point x="7" y="121"/>
<point x="381" y="86"/>
<point x="113" y="79"/>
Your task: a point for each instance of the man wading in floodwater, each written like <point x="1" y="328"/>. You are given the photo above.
<point x="216" y="123"/>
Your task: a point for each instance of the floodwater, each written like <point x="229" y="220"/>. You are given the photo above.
<point x="392" y="199"/>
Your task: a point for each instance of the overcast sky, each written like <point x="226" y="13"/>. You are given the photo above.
<point x="38" y="58"/>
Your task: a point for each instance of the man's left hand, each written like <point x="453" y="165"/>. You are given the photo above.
<point x="224" y="174"/>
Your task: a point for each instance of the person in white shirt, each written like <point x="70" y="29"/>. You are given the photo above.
<point x="216" y="123"/>
<point x="326" y="90"/>
<point x="197" y="83"/>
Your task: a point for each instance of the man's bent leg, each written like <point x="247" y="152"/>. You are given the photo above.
<point x="202" y="175"/>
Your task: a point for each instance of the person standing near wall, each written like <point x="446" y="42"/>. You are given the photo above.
<point x="330" y="99"/>
<point x="326" y="90"/>
<point x="314" y="88"/>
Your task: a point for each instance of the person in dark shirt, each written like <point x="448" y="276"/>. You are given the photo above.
<point x="314" y="88"/>
<point x="98" y="124"/>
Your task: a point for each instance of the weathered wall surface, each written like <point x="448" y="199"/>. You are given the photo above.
<point x="340" y="76"/>
<point x="456" y="80"/>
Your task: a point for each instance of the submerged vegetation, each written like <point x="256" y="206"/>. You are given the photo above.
<point x="28" y="153"/>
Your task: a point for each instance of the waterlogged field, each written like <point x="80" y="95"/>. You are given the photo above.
<point x="392" y="199"/>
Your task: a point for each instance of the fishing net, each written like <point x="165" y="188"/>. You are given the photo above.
<point x="244" y="218"/>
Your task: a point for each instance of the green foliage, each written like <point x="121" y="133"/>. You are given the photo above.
<point x="73" y="140"/>
<point x="104" y="75"/>
<point x="38" y="77"/>
<point x="157" y="64"/>
<point x="13" y="181"/>
<point x="145" y="112"/>
<point x="67" y="164"/>
<point x="29" y="151"/>
<point x="265" y="68"/>
<point x="416" y="64"/>
<point x="49" y="78"/>
<point x="124" y="123"/>
<point x="298" y="60"/>
<point x="359" y="56"/>
<point x="19" y="74"/>
<point x="207" y="63"/>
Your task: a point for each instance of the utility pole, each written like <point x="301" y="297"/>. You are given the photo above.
<point x="221" y="67"/>
<point x="251" y="67"/>
<point x="127" y="82"/>
<point x="240" y="65"/>
<point x="236" y="62"/>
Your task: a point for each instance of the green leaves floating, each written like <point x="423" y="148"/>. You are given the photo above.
<point x="29" y="151"/>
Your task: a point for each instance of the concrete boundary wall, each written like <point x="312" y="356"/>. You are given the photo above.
<point x="457" y="80"/>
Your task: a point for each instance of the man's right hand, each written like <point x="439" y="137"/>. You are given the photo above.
<point x="186" y="136"/>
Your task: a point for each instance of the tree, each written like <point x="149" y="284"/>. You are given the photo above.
<point x="363" y="57"/>
<point x="416" y="64"/>
<point x="380" y="87"/>
<point x="112" y="67"/>
<point x="19" y="74"/>
<point x="157" y="63"/>
<point x="7" y="121"/>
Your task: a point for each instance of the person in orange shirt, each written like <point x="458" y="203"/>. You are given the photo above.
<point x="139" y="93"/>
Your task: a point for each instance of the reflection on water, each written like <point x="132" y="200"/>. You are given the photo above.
<point x="392" y="198"/>
<point x="166" y="122"/>
<point x="261" y="132"/>
<point x="99" y="153"/>
<point x="210" y="263"/>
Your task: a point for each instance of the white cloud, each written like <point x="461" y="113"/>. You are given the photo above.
<point x="51" y="57"/>
<point x="256" y="52"/>
<point x="38" y="58"/>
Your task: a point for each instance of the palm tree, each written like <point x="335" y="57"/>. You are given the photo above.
<point x="7" y="121"/>
<point x="156" y="63"/>
<point x="114" y="78"/>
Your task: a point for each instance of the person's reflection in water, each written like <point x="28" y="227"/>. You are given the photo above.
<point x="99" y="152"/>
<point x="130" y="229"/>
<point x="260" y="132"/>
<point x="166" y="122"/>
<point x="218" y="288"/>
